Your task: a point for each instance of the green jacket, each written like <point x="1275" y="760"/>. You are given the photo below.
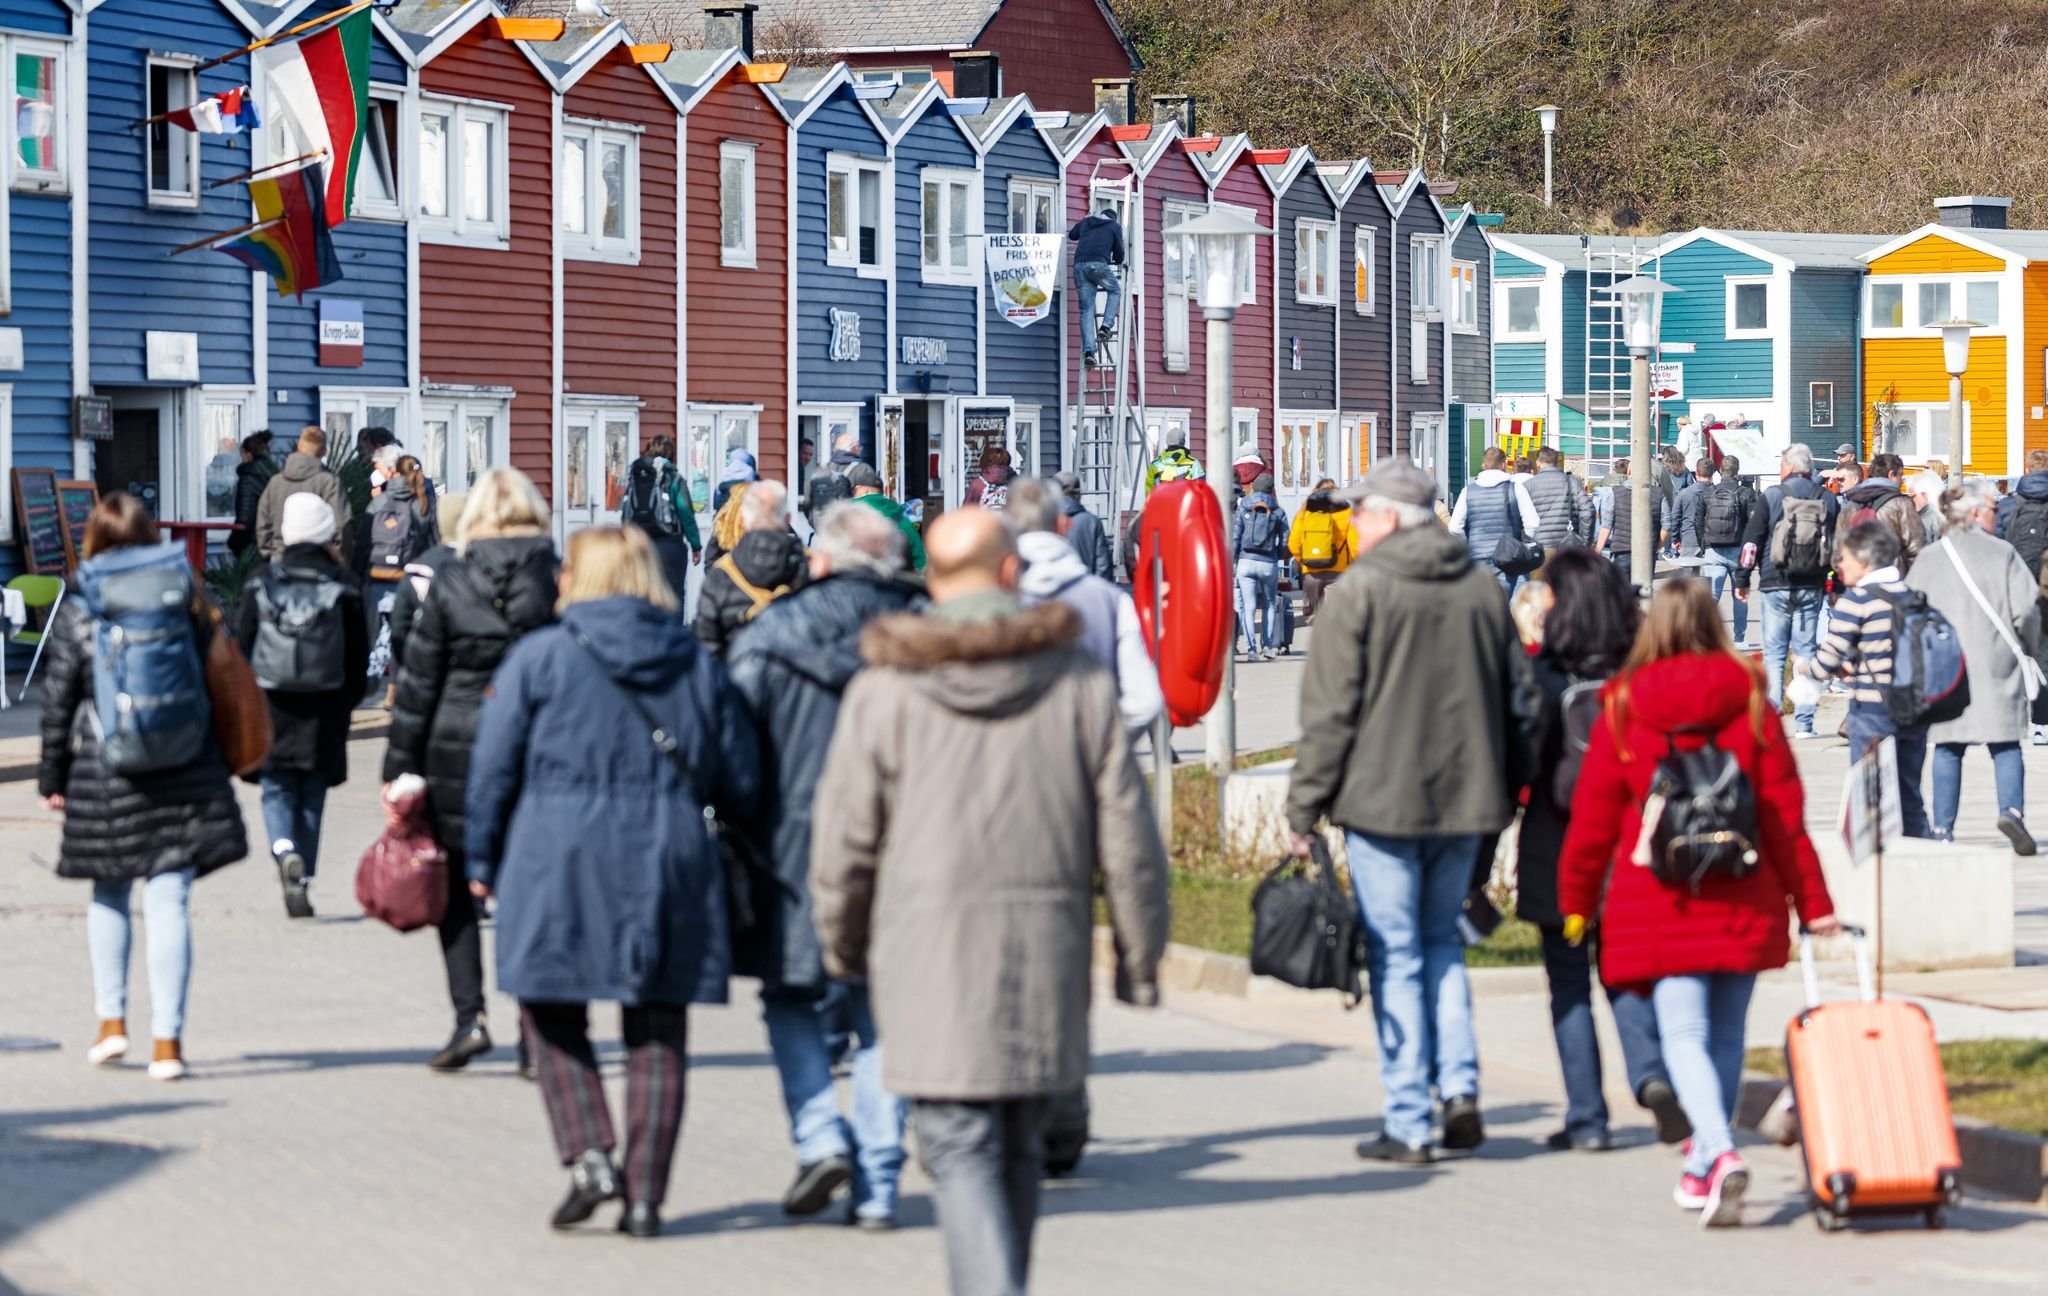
<point x="1173" y="464"/>
<point x="890" y="509"/>
<point x="686" y="511"/>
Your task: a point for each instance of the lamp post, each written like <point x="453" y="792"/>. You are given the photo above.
<point x="1955" y="357"/>
<point x="1642" y="310"/>
<point x="1223" y="250"/>
<point x="1547" y="114"/>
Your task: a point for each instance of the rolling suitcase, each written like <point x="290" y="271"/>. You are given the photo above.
<point x="1874" y="1118"/>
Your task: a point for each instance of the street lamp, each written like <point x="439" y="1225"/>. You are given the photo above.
<point x="1223" y="252"/>
<point x="1955" y="357"/>
<point x="1547" y="114"/>
<point x="1642" y="315"/>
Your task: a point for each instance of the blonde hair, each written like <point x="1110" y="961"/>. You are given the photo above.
<point x="614" y="562"/>
<point x="502" y="503"/>
<point x="1528" y="607"/>
<point x="448" y="513"/>
<point x="727" y="526"/>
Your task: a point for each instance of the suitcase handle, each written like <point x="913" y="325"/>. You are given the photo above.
<point x="1861" y="940"/>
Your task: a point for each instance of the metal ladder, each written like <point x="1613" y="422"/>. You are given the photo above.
<point x="1606" y="356"/>
<point x="1110" y="449"/>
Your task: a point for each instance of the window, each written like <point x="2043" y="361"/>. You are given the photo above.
<point x="172" y="151"/>
<point x="1177" y="266"/>
<point x="894" y="76"/>
<point x="1749" y="308"/>
<point x="1887" y="306"/>
<point x="1426" y="275"/>
<point x="945" y="226"/>
<point x="1465" y="296"/>
<point x="376" y="196"/>
<point x="598" y="445"/>
<point x="38" y="112"/>
<point x="1518" y="311"/>
<point x="1248" y="282"/>
<point x="1933" y="301"/>
<point x="1418" y="348"/>
<point x="346" y="411"/>
<point x="1364" y="270"/>
<point x="853" y="213"/>
<point x="1112" y="198"/>
<point x="1315" y="262"/>
<point x="223" y="433"/>
<point x="736" y="204"/>
<point x="597" y="192"/>
<point x="1920" y="432"/>
<point x="1981" y="297"/>
<point x="710" y="432"/>
<point x="459" y="439"/>
<point x="1034" y="207"/>
<point x="464" y="194"/>
<point x="1934" y="304"/>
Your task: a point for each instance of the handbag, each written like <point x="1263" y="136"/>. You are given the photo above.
<point x="241" y="714"/>
<point x="403" y="878"/>
<point x="1516" y="554"/>
<point x="1305" y="930"/>
<point x="2030" y="670"/>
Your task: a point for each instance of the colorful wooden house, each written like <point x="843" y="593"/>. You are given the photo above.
<point x="1310" y="285"/>
<point x="1418" y="268"/>
<point x="1365" y="373"/>
<point x="1966" y="265"/>
<point x="1234" y="171"/>
<point x="1169" y="347"/>
<point x="1469" y="335"/>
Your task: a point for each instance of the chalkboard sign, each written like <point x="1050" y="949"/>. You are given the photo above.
<point x="77" y="499"/>
<point x="92" y="418"/>
<point x="39" y="522"/>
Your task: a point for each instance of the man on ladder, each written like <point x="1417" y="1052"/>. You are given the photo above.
<point x="1098" y="240"/>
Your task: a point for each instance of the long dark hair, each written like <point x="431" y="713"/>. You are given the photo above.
<point x="1593" y="622"/>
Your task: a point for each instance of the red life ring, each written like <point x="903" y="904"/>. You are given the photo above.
<point x="1190" y="642"/>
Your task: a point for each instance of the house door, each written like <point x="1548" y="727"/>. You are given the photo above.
<point x="985" y="428"/>
<point x="133" y="460"/>
<point x="598" y="445"/>
<point x="1428" y="446"/>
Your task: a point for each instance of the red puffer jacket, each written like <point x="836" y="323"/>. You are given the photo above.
<point x="1650" y="930"/>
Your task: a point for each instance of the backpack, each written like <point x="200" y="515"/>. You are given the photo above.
<point x="828" y="489"/>
<point x="300" y="640"/>
<point x="1799" y="542"/>
<point x="398" y="534"/>
<point x="1721" y="523"/>
<point x="1578" y="711"/>
<point x="148" y="685"/>
<point x="1700" y="819"/>
<point x="994" y="498"/>
<point x="1929" y="683"/>
<point x="2027" y="531"/>
<point x="1325" y="540"/>
<point x="650" y="498"/>
<point x="760" y="597"/>
<point x="1261" y="530"/>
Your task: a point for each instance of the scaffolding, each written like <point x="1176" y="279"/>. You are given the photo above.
<point x="1606" y="352"/>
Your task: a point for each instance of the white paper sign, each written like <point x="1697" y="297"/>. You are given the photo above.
<point x="171" y="357"/>
<point x="11" y="354"/>
<point x="1872" y="815"/>
<point x="1023" y="270"/>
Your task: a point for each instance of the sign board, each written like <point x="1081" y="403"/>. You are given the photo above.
<point x="76" y="500"/>
<point x="39" y="522"/>
<point x="982" y="428"/>
<point x="1745" y="443"/>
<point x="171" y="357"/>
<point x="11" y="355"/>
<point x="1872" y="817"/>
<point x="341" y="334"/>
<point x="92" y="418"/>
<point x="1820" y="401"/>
<point x="1023" y="270"/>
<point x="1294" y="354"/>
<point x="923" y="350"/>
<point x="1667" y="380"/>
<point x="845" y="344"/>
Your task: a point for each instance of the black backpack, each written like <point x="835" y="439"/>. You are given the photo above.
<point x="828" y="489"/>
<point x="1305" y="930"/>
<point x="1721" y="523"/>
<point x="650" y="498"/>
<point x="1700" y="819"/>
<point x="1929" y="682"/>
<point x="1578" y="711"/>
<point x="300" y="640"/>
<point x="1262" y="530"/>
<point x="2027" y="532"/>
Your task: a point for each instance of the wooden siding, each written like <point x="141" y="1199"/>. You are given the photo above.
<point x="1472" y="353"/>
<point x="1506" y="265"/>
<point x="1251" y="335"/>
<point x="1419" y="216"/>
<point x="738" y="342"/>
<point x="137" y="286"/>
<point x="1824" y="349"/>
<point x="50" y="18"/>
<point x="619" y="321"/>
<point x="1314" y="385"/>
<point x="936" y="310"/>
<point x="486" y="315"/>
<point x="1722" y="376"/>
<point x="2034" y="317"/>
<point x="1144" y="336"/>
<point x="1023" y="363"/>
<point x="1053" y="49"/>
<point x="1364" y="360"/>
<point x="837" y="127"/>
<point x="41" y="233"/>
<point x="1933" y="254"/>
<point x="1173" y="177"/>
<point x="1573" y="325"/>
<point x="1909" y="371"/>
<point x="1518" y="367"/>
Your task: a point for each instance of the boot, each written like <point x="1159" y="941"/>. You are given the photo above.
<point x="593" y="1180"/>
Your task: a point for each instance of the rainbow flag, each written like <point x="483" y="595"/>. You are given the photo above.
<point x="291" y="244"/>
<point x="321" y="84"/>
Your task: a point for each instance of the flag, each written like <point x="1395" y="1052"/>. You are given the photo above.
<point x="228" y="113"/>
<point x="291" y="243"/>
<point x="321" y="83"/>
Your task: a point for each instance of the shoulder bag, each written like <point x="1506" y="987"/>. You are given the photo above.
<point x="1516" y="554"/>
<point x="2030" y="670"/>
<point x="241" y="714"/>
<point x="1305" y="929"/>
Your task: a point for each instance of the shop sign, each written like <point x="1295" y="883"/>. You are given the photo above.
<point x="1667" y="380"/>
<point x="341" y="334"/>
<point x="923" y="350"/>
<point x="1023" y="269"/>
<point x="845" y="334"/>
<point x="171" y="357"/>
<point x="10" y="349"/>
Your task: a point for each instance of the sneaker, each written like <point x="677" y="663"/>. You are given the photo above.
<point x="1726" y="1183"/>
<point x="1463" y="1130"/>
<point x="111" y="1045"/>
<point x="468" y="1042"/>
<point x="1661" y="1100"/>
<point x="2016" y="832"/>
<point x="815" y="1184"/>
<point x="1394" y="1150"/>
<point x="1802" y="735"/>
<point x="292" y="873"/>
<point x="2040" y="736"/>
<point x="168" y="1063"/>
<point x="1566" y="1141"/>
<point x="1691" y="1192"/>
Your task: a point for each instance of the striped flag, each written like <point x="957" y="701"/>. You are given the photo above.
<point x="291" y="244"/>
<point x="321" y="85"/>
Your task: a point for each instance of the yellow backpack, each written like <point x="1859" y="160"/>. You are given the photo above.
<point x="1324" y="539"/>
<point x="760" y="597"/>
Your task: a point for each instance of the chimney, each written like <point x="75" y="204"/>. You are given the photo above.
<point x="1115" y="98"/>
<point x="1971" y="212"/>
<point x="730" y="26"/>
<point x="1178" y="109"/>
<point x="977" y="74"/>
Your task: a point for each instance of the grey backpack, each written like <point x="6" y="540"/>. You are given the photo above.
<point x="300" y="640"/>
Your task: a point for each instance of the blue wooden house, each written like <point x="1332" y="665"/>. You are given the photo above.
<point x="1469" y="310"/>
<point x="1365" y="355"/>
<point x="1560" y="368"/>
<point x="1418" y="268"/>
<point x="1311" y="283"/>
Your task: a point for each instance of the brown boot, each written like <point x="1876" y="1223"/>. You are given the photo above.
<point x="168" y="1063"/>
<point x="110" y="1045"/>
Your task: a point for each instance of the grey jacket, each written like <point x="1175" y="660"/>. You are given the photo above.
<point x="1998" y="700"/>
<point x="302" y="473"/>
<point x="978" y="783"/>
<point x="1404" y="707"/>
<point x="1563" y="507"/>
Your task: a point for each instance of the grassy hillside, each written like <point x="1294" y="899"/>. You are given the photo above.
<point x="1843" y="115"/>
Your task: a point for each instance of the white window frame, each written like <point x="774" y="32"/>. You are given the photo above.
<point x="356" y="403"/>
<point x="202" y="447"/>
<point x="453" y="227"/>
<point x="457" y="409"/>
<point x="186" y="199"/>
<point x="743" y="255"/>
<point x="1870" y="324"/>
<point x="1365" y="255"/>
<point x="7" y="456"/>
<point x="1464" y="297"/>
<point x="1423" y="249"/>
<point x="1912" y="325"/>
<point x="1503" y="316"/>
<point x="1176" y="298"/>
<point x="50" y="179"/>
<point x="1118" y="199"/>
<point x="717" y="423"/>
<point x="1319" y="256"/>
<point x="1248" y="282"/>
<point x="361" y="205"/>
<point x="1029" y="190"/>
<point x="852" y="166"/>
<point x="1734" y="284"/>
<point x="893" y="76"/>
<point x="1962" y="290"/>
<point x="592" y="244"/>
<point x="593" y="420"/>
<point x="1920" y="414"/>
<point x="943" y="272"/>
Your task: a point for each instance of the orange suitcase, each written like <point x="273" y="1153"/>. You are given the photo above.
<point x="1874" y="1118"/>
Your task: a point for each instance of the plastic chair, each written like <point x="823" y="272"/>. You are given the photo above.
<point x="36" y="592"/>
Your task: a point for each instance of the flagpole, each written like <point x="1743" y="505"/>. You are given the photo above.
<point x="251" y="227"/>
<point x="274" y="166"/>
<point x="166" y="116"/>
<point x="287" y="34"/>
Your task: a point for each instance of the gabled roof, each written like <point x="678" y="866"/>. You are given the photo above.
<point x="907" y="105"/>
<point x="1143" y="145"/>
<point x="1070" y="133"/>
<point x="2014" y="247"/>
<point x="422" y="30"/>
<point x="1568" y="251"/>
<point x="993" y="121"/>
<point x="1281" y="178"/>
<point x="695" y="73"/>
<point x="1787" y="251"/>
<point x="1214" y="155"/>
<point x="1343" y="178"/>
<point x="259" y="19"/>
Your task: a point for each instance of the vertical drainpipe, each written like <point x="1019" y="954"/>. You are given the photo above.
<point x="76" y="163"/>
<point x="408" y="129"/>
<point x="789" y="335"/>
<point x="557" y="469"/>
<point x="259" y="300"/>
<point x="1394" y="369"/>
<point x="682" y="282"/>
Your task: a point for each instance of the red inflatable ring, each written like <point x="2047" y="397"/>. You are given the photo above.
<point x="1191" y="637"/>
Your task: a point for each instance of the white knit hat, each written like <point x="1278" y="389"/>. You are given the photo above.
<point x="307" y="520"/>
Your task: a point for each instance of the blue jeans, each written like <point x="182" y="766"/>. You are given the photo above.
<point x="1723" y="561"/>
<point x="1088" y="277"/>
<point x="293" y="802"/>
<point x="107" y="935"/>
<point x="872" y="1133"/>
<point x="1569" y="969"/>
<point x="1869" y="725"/>
<point x="1791" y="621"/>
<point x="1258" y="598"/>
<point x="1410" y="891"/>
<point x="2008" y="772"/>
<point x="1701" y="1020"/>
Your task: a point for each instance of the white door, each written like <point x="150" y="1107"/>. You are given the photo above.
<point x="1428" y="446"/>
<point x="460" y="439"/>
<point x="976" y="425"/>
<point x="597" y="446"/>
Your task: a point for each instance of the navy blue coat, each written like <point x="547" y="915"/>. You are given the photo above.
<point x="608" y="881"/>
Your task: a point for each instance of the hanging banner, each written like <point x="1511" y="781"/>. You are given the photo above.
<point x="1023" y="269"/>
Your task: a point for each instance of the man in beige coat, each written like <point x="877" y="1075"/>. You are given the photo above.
<point x="304" y="472"/>
<point x="977" y="782"/>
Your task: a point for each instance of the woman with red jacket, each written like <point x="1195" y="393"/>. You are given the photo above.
<point x="1696" y="952"/>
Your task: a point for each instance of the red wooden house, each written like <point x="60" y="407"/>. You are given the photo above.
<point x="1232" y="168"/>
<point x="1172" y="189"/>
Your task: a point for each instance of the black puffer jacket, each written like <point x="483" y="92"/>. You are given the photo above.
<point x="407" y="600"/>
<point x="769" y="559"/>
<point x="250" y="479"/>
<point x="125" y="826"/>
<point x="790" y="668"/>
<point x="479" y="605"/>
<point x="309" y="731"/>
<point x="1544" y="822"/>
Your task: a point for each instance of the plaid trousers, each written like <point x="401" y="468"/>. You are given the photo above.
<point x="657" y="1053"/>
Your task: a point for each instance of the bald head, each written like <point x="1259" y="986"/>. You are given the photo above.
<point x="969" y="551"/>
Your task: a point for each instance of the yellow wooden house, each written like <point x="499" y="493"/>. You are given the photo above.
<point x="1967" y="265"/>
